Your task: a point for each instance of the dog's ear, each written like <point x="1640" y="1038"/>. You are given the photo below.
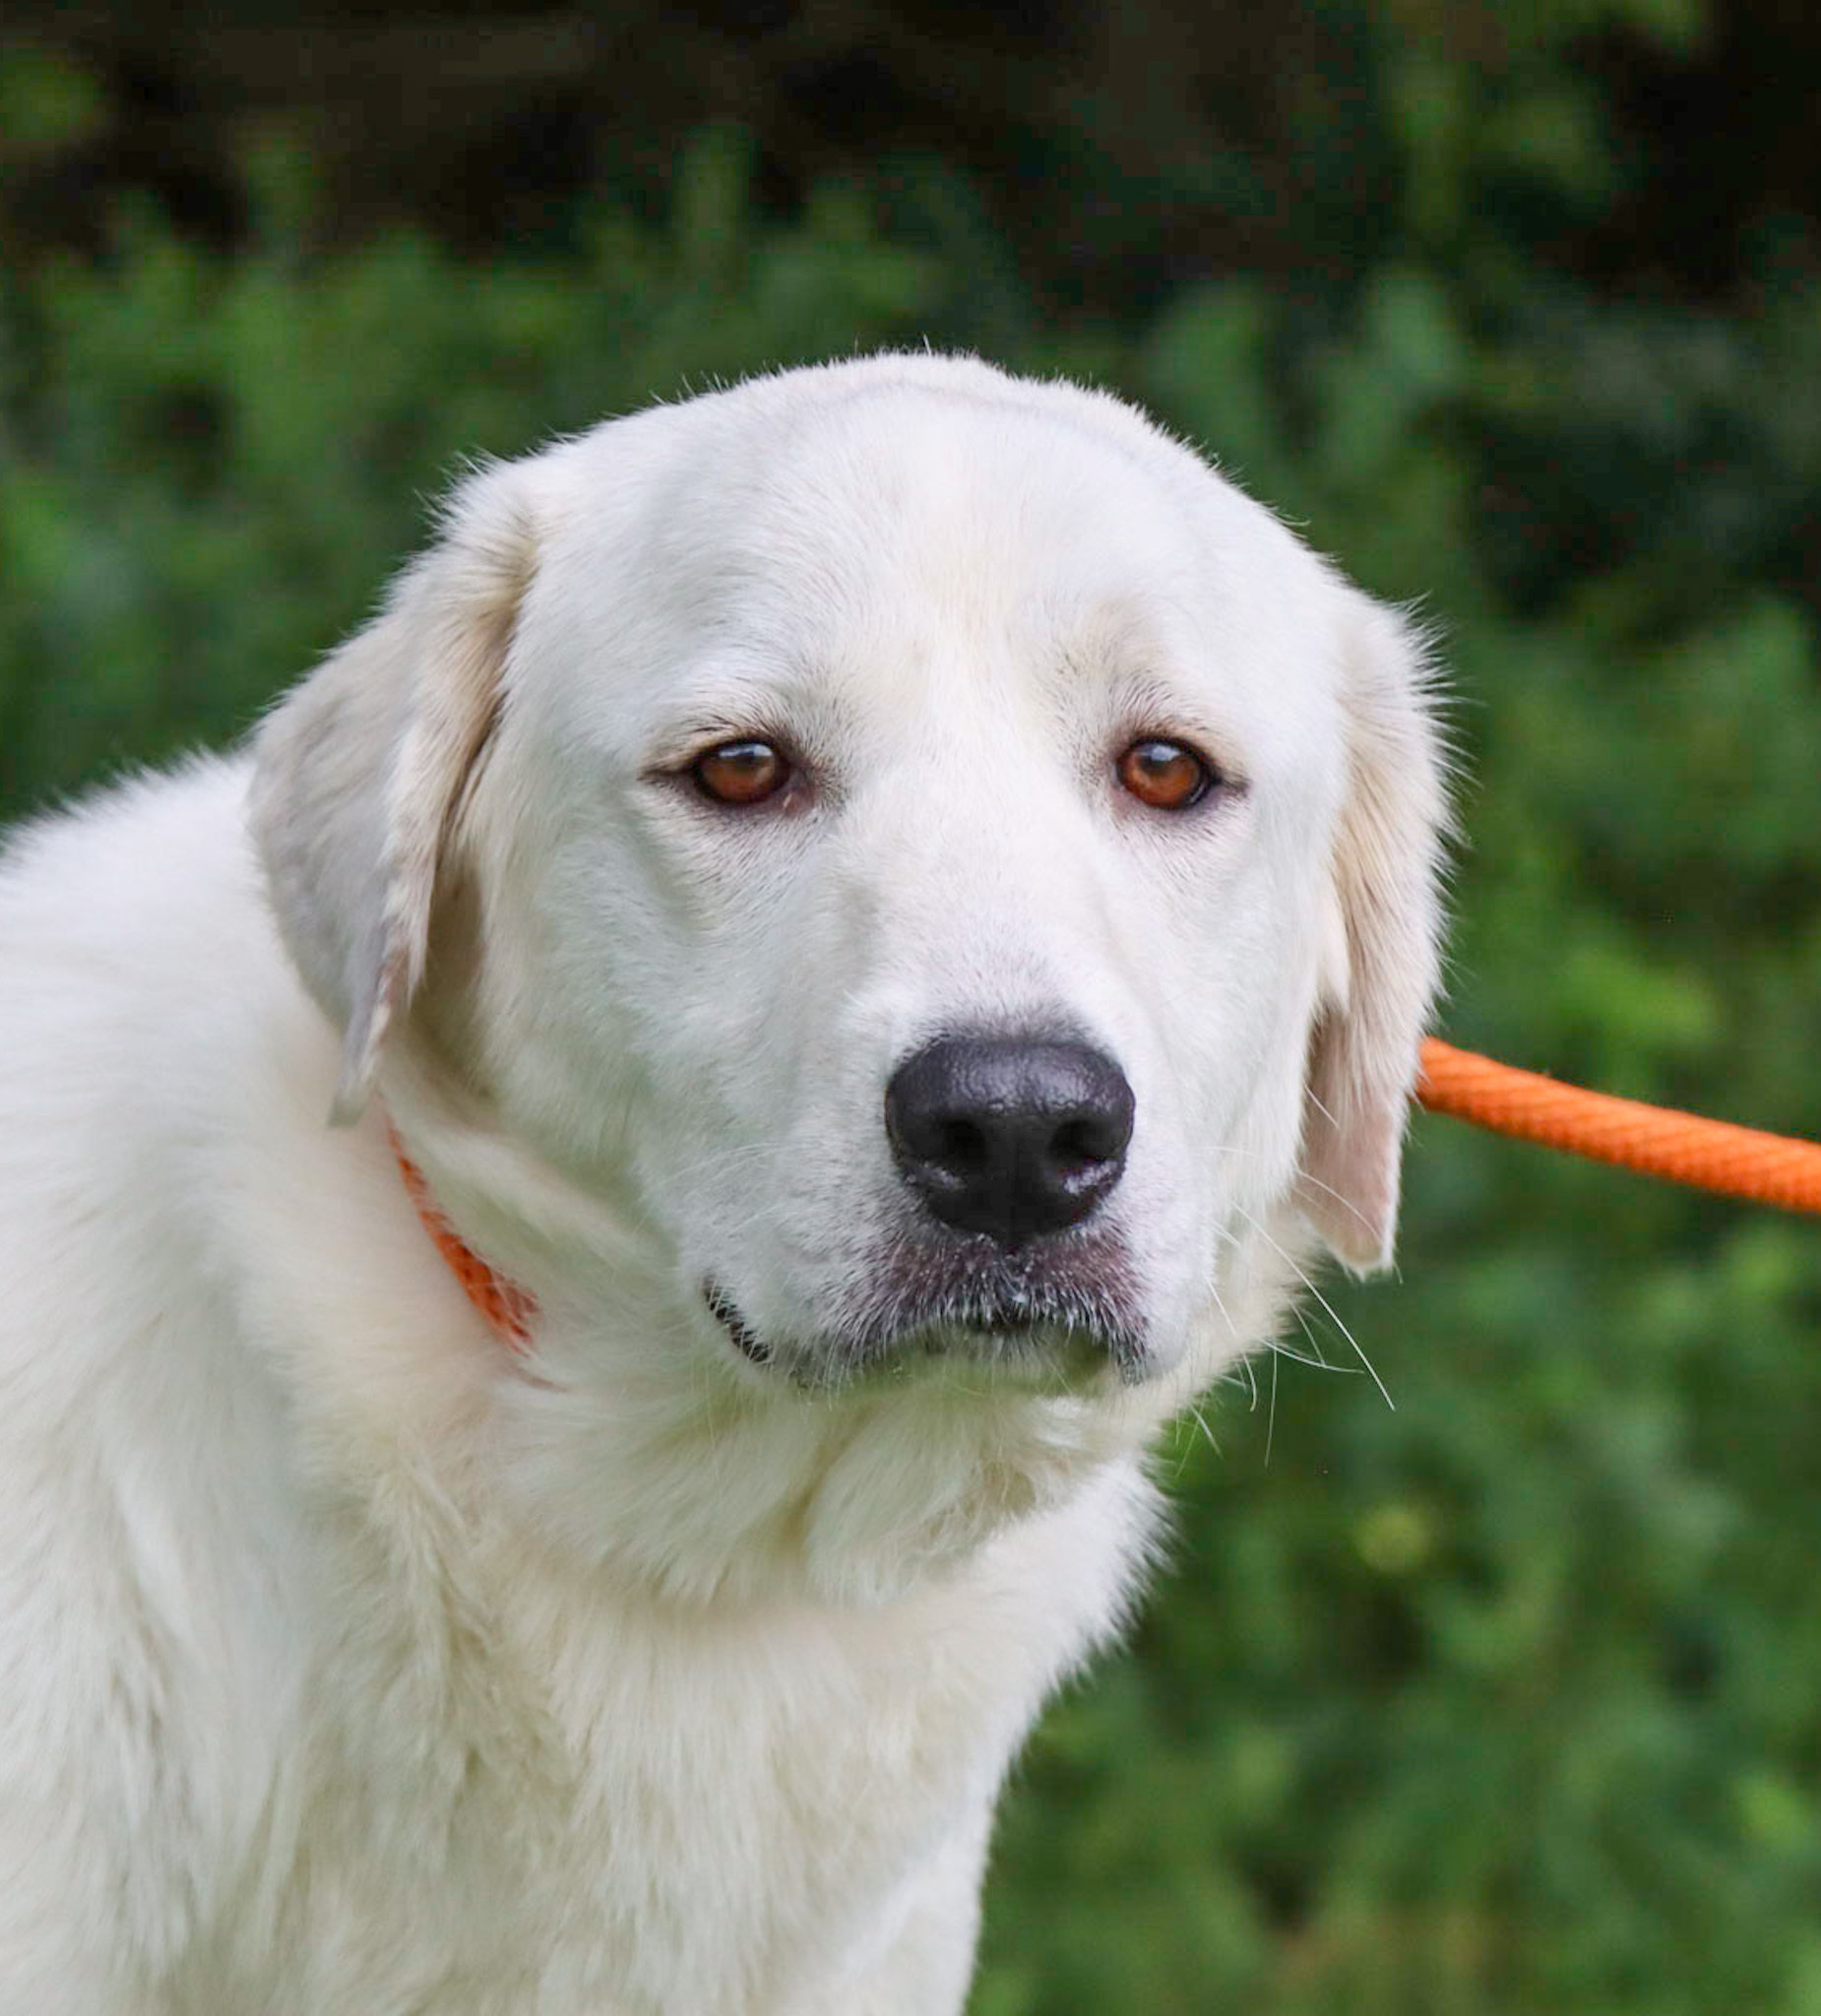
<point x="357" y="773"/>
<point x="1387" y="909"/>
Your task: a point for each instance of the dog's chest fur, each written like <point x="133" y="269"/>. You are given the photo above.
<point x="505" y="1791"/>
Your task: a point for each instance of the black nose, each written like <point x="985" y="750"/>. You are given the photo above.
<point x="1009" y="1136"/>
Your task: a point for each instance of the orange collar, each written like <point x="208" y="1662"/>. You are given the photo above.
<point x="508" y="1309"/>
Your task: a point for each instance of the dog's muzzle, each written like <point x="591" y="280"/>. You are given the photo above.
<point x="1008" y="1146"/>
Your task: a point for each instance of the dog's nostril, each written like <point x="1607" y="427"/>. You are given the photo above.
<point x="1083" y="1144"/>
<point x="1009" y="1136"/>
<point x="961" y="1150"/>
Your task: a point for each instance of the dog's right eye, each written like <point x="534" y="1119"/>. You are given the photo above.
<point x="740" y="772"/>
<point x="1168" y="776"/>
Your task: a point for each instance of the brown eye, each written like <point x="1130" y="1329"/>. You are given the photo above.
<point x="1168" y="776"/>
<point x="742" y="773"/>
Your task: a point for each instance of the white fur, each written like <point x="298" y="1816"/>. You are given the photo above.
<point x="349" y="1662"/>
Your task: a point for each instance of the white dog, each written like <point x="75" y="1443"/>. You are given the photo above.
<point x="886" y="912"/>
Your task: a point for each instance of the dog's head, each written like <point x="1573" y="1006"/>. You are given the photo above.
<point x="953" y="872"/>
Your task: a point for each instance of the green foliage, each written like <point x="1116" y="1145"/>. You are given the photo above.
<point x="209" y="466"/>
<point x="1499" y="1702"/>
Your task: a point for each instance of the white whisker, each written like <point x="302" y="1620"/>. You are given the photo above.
<point x="1328" y="1307"/>
<point x="1201" y="1421"/>
<point x="1297" y="1357"/>
<point x="1315" y="1344"/>
<point x="1271" y="1419"/>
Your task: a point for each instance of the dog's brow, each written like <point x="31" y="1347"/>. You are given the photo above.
<point x="800" y="700"/>
<point x="1146" y="701"/>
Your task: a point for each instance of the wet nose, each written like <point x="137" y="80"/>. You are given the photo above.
<point x="1009" y="1136"/>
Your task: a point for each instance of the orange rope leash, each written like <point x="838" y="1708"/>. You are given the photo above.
<point x="1711" y="1155"/>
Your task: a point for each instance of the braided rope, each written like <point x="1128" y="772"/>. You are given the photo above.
<point x="1710" y="1154"/>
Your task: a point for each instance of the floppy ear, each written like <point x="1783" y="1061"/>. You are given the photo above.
<point x="1386" y="868"/>
<point x="358" y="771"/>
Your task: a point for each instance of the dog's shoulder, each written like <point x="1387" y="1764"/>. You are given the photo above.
<point x="145" y="1652"/>
<point x="136" y="955"/>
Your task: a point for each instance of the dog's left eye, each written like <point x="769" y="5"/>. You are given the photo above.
<point x="1168" y="776"/>
<point x="742" y="773"/>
